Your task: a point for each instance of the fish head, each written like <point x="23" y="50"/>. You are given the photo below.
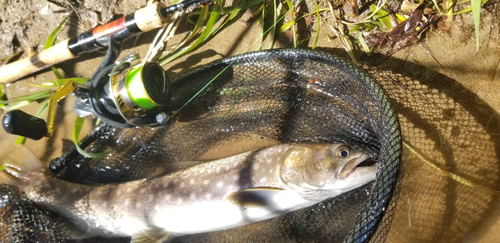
<point x="320" y="171"/>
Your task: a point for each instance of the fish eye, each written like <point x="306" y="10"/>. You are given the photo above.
<point x="343" y="151"/>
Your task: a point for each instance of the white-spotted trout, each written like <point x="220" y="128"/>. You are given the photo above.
<point x="214" y="195"/>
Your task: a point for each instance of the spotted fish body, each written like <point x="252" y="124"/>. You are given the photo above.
<point x="215" y="195"/>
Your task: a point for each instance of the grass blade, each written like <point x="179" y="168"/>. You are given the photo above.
<point x="262" y="22"/>
<point x="468" y="9"/>
<point x="383" y="16"/>
<point x="292" y="22"/>
<point x="24" y="100"/>
<point x="15" y="106"/>
<point x="59" y="82"/>
<point x="51" y="41"/>
<point x="20" y="140"/>
<point x="476" y="13"/>
<point x="31" y="97"/>
<point x="449" y="174"/>
<point x="273" y="31"/>
<point x="2" y="94"/>
<point x="363" y="43"/>
<point x="338" y="30"/>
<point x="318" y="22"/>
<point x="52" y="37"/>
<point x="208" y="32"/>
<point x="214" y="16"/>
<point x="76" y="133"/>
<point x="234" y="12"/>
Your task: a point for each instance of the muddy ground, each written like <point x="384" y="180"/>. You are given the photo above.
<point x="25" y="25"/>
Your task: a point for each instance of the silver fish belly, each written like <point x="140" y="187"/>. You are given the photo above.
<point x="214" y="195"/>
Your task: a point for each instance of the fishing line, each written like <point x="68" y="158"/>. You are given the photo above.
<point x="223" y="70"/>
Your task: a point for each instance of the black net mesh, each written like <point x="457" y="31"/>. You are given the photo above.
<point x="250" y="102"/>
<point x="21" y="220"/>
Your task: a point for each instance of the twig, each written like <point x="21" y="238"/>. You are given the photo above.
<point x="453" y="176"/>
<point x="165" y="34"/>
<point x="338" y="30"/>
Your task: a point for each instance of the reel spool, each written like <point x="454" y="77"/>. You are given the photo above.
<point x="118" y="94"/>
<point x="132" y="97"/>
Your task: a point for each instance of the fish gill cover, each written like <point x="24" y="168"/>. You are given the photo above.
<point x="257" y="100"/>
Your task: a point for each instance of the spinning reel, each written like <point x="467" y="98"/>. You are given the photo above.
<point x="118" y="93"/>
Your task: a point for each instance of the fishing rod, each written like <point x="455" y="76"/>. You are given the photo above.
<point x="143" y="20"/>
<point x="118" y="93"/>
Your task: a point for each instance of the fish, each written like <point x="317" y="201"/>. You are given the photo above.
<point x="208" y="196"/>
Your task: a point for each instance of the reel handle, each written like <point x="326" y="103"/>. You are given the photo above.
<point x="20" y="123"/>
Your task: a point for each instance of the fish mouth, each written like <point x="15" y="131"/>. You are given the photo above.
<point x="360" y="162"/>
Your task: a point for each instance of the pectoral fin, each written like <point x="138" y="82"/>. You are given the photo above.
<point x="254" y="197"/>
<point x="151" y="236"/>
<point x="272" y="199"/>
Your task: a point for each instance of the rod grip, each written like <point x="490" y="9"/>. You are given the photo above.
<point x="150" y="17"/>
<point x="20" y="123"/>
<point x="53" y="55"/>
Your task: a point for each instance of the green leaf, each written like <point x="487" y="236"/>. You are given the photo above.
<point x="2" y="95"/>
<point x="292" y="22"/>
<point x="234" y="12"/>
<point x="42" y="108"/>
<point x="52" y="37"/>
<point x="201" y="18"/>
<point x="76" y="133"/>
<point x="208" y="32"/>
<point x="214" y="16"/>
<point x="57" y="73"/>
<point x="363" y="43"/>
<point x="24" y="100"/>
<point x="275" y="15"/>
<point x="15" y="106"/>
<point x="437" y="7"/>
<point x="468" y="9"/>
<point x="59" y="82"/>
<point x="383" y="16"/>
<point x="262" y="22"/>
<point x="31" y="97"/>
<point x="20" y="140"/>
<point x="476" y="13"/>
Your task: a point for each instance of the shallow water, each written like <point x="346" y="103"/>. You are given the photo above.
<point x="432" y="207"/>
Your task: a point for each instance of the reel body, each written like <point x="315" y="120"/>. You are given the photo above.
<point x="128" y="98"/>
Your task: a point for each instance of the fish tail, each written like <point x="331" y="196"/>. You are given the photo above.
<point x="18" y="164"/>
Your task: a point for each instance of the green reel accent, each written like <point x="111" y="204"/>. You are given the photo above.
<point x="148" y="86"/>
